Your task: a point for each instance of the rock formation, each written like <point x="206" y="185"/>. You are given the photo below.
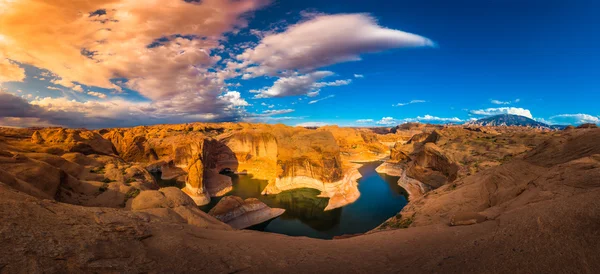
<point x="536" y="210"/>
<point x="240" y="213"/>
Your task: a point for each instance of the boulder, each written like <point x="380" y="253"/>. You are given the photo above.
<point x="239" y="213"/>
<point x="467" y="218"/>
<point x="169" y="197"/>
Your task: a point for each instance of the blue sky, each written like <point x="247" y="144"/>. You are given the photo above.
<point x="467" y="59"/>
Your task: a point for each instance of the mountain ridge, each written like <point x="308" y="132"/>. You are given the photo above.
<point x="512" y="120"/>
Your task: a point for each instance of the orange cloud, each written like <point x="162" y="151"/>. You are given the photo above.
<point x="10" y="71"/>
<point x="92" y="42"/>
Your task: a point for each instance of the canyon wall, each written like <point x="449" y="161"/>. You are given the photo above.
<point x="196" y="156"/>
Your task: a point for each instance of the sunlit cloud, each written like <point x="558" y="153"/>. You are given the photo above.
<point x="296" y="85"/>
<point x="324" y="40"/>
<point x="503" y="110"/>
<point x="578" y="118"/>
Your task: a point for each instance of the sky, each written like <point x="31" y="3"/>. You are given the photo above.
<point x="117" y="63"/>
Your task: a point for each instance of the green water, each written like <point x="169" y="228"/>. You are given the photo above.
<point x="380" y="199"/>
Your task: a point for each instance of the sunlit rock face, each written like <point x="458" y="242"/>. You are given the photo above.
<point x="359" y="145"/>
<point x="239" y="213"/>
<point x="198" y="155"/>
<point x="72" y="140"/>
<point x="430" y="165"/>
<point x="255" y="152"/>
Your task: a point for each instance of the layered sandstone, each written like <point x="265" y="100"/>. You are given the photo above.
<point x="240" y="213"/>
<point x="537" y="211"/>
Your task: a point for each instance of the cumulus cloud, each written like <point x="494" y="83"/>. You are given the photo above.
<point x="171" y="53"/>
<point x="234" y="98"/>
<point x="324" y="40"/>
<point x="319" y="100"/>
<point x="113" y="112"/>
<point x="387" y="121"/>
<point x="365" y="121"/>
<point x="312" y="124"/>
<point x="408" y="103"/>
<point x="165" y="50"/>
<point x="503" y="110"/>
<point x="579" y="118"/>
<point x="97" y="94"/>
<point x="300" y="84"/>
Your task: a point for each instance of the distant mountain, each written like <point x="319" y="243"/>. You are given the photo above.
<point x="512" y="120"/>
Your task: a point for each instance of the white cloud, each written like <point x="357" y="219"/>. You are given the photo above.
<point x="359" y="76"/>
<point x="498" y="102"/>
<point x="234" y="99"/>
<point x="365" y="121"/>
<point x="387" y="121"/>
<point x="503" y="110"/>
<point x="431" y="118"/>
<point x="426" y="118"/>
<point x="408" y="103"/>
<point x="304" y="84"/>
<point x="579" y="118"/>
<point x="318" y="100"/>
<point x="97" y="94"/>
<point x="312" y="124"/>
<point x="324" y="40"/>
<point x="277" y="111"/>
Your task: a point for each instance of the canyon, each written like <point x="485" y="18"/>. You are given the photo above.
<point x="480" y="198"/>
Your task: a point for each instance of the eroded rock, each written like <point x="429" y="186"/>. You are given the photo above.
<point x="239" y="213"/>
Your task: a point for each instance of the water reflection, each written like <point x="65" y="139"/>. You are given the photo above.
<point x="381" y="198"/>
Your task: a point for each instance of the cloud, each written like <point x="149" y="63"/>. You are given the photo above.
<point x="234" y="98"/>
<point x="387" y="121"/>
<point x="113" y="112"/>
<point x="430" y="118"/>
<point x="97" y="94"/>
<point x="324" y="40"/>
<point x="579" y="118"/>
<point x="9" y="71"/>
<point x="426" y="118"/>
<point x="408" y="103"/>
<point x="365" y="121"/>
<point x="503" y="110"/>
<point x="312" y="124"/>
<point x="319" y="100"/>
<point x="77" y="88"/>
<point x="166" y="51"/>
<point x="359" y="76"/>
<point x="296" y="85"/>
<point x="498" y="102"/>
<point x="276" y="112"/>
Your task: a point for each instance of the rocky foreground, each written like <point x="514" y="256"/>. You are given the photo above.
<point x="482" y="199"/>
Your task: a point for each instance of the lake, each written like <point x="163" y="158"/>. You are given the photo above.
<point x="380" y="199"/>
